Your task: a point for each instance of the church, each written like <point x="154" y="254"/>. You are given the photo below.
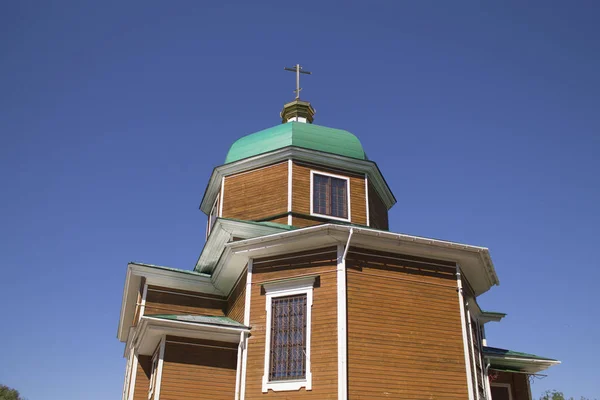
<point x="302" y="291"/>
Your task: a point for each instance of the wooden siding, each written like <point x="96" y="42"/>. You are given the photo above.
<point x="324" y="322"/>
<point x="162" y="300"/>
<point x="257" y="194"/>
<point x="301" y="195"/>
<point x="237" y="300"/>
<point x="198" y="369"/>
<point x="404" y="328"/>
<point x="142" y="378"/>
<point x="280" y="220"/>
<point x="304" y="221"/>
<point x="519" y="384"/>
<point x="378" y="213"/>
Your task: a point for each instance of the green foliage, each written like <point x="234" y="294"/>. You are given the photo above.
<point x="552" y="395"/>
<point x="556" y="395"/>
<point x="7" y="393"/>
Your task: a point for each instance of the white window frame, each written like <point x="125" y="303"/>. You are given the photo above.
<point x="312" y="187"/>
<point x="506" y="385"/>
<point x="285" y="288"/>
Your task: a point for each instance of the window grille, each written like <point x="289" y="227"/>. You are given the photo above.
<point x="288" y="338"/>
<point x="330" y="196"/>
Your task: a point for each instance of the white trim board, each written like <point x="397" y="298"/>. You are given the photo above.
<point x="161" y="359"/>
<point x="133" y="376"/>
<point x="342" y="323"/>
<point x="367" y="199"/>
<point x="244" y="337"/>
<point x="463" y="324"/>
<point x="290" y="183"/>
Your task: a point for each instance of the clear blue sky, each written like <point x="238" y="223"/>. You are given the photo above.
<point x="483" y="118"/>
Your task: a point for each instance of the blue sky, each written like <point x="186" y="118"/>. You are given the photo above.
<point x="483" y="118"/>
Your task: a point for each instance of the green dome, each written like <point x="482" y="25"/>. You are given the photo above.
<point x="299" y="134"/>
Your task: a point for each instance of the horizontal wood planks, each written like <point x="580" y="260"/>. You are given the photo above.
<point x="256" y="194"/>
<point x="519" y="384"/>
<point x="237" y="299"/>
<point x="196" y="369"/>
<point x="301" y="194"/>
<point x="142" y="378"/>
<point x="378" y="213"/>
<point x="324" y="322"/>
<point x="404" y="328"/>
<point x="162" y="300"/>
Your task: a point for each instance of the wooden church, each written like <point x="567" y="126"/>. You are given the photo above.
<point x="303" y="292"/>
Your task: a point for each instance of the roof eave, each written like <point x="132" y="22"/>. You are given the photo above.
<point x="297" y="153"/>
<point x="416" y="242"/>
<point x="158" y="276"/>
<point x="151" y="330"/>
<point x="530" y="365"/>
<point x="222" y="232"/>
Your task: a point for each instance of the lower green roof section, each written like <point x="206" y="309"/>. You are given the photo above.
<point x="183" y="271"/>
<point x="200" y="319"/>
<point x="498" y="352"/>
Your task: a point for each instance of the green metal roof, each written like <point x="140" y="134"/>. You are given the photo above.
<point x="200" y="319"/>
<point x="497" y="352"/>
<point x="183" y="271"/>
<point x="263" y="223"/>
<point x="308" y="136"/>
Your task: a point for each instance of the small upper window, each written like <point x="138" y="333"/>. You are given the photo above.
<point x="330" y="196"/>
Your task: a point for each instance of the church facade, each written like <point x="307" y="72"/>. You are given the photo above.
<point x="303" y="292"/>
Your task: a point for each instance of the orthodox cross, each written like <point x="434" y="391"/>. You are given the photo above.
<point x="298" y="70"/>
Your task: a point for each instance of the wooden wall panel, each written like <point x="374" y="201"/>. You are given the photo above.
<point x="301" y="222"/>
<point x="301" y="194"/>
<point x="519" y="383"/>
<point x="237" y="300"/>
<point x="378" y="213"/>
<point x="198" y="370"/>
<point x="300" y="188"/>
<point x="256" y="194"/>
<point x="142" y="378"/>
<point x="280" y="220"/>
<point x="324" y="323"/>
<point x="158" y="301"/>
<point x="404" y="328"/>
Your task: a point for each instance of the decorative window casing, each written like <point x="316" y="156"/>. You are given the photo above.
<point x="288" y="335"/>
<point x="330" y="196"/>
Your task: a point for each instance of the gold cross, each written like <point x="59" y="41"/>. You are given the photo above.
<point x="298" y="70"/>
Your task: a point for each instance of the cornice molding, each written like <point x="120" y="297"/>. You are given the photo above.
<point x="367" y="167"/>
